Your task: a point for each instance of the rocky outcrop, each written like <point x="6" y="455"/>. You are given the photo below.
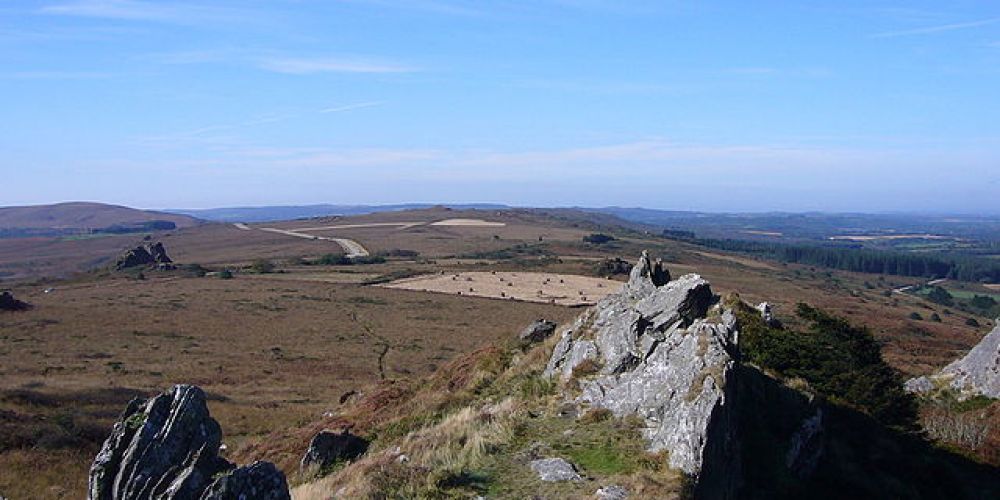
<point x="329" y="447"/>
<point x="665" y="352"/>
<point x="610" y="267"/>
<point x="767" y="315"/>
<point x="9" y="303"/>
<point x="538" y="331"/>
<point x="976" y="374"/>
<point x="145" y="255"/>
<point x="167" y="447"/>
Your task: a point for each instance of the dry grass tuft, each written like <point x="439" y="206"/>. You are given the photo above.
<point x="444" y="454"/>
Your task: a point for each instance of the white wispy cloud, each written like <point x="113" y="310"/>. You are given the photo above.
<point x="307" y="66"/>
<point x="349" y="107"/>
<point x="938" y="28"/>
<point x="56" y="75"/>
<point x="147" y="11"/>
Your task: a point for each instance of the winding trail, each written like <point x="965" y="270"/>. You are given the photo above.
<point x="352" y="249"/>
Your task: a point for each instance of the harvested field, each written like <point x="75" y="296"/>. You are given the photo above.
<point x="560" y="289"/>
<point x="468" y="222"/>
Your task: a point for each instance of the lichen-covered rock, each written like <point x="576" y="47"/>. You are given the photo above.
<point x="978" y="373"/>
<point x="538" y="331"/>
<point x="328" y="447"/>
<point x="555" y="469"/>
<point x="975" y="374"/>
<point x="165" y="448"/>
<point x="919" y="385"/>
<point x="663" y="358"/>
<point x="767" y="315"/>
<point x="611" y="492"/>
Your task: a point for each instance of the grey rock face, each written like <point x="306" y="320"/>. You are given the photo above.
<point x="147" y="254"/>
<point x="664" y="359"/>
<point x="767" y="315"/>
<point x="538" y="331"/>
<point x="328" y="447"/>
<point x="806" y="446"/>
<point x="9" y="303"/>
<point x="259" y="481"/>
<point x="555" y="469"/>
<point x="919" y="385"/>
<point x="611" y="492"/>
<point x="979" y="371"/>
<point x="975" y="374"/>
<point x="164" y="448"/>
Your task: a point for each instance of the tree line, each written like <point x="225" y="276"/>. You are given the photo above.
<point x="860" y="259"/>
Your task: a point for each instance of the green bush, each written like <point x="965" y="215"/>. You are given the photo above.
<point x="225" y="274"/>
<point x="915" y="316"/>
<point x="598" y="238"/>
<point x="838" y="360"/>
<point x="262" y="266"/>
<point x="941" y="296"/>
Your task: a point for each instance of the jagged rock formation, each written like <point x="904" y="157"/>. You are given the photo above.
<point x="977" y="373"/>
<point x="147" y="255"/>
<point x="9" y="303"/>
<point x="538" y="331"/>
<point x="167" y="448"/>
<point x="328" y="447"/>
<point x="653" y="350"/>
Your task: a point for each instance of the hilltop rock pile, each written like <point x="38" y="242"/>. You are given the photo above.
<point x="167" y="447"/>
<point x="146" y="255"/>
<point x="9" y="303"/>
<point x="976" y="374"/>
<point x="659" y="350"/>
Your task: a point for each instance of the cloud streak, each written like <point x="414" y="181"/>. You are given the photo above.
<point x="938" y="29"/>
<point x="309" y="66"/>
<point x="350" y="107"/>
<point x="137" y="10"/>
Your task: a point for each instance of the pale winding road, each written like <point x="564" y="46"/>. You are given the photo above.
<point x="351" y="248"/>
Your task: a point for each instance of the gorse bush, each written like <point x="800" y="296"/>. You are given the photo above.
<point x="838" y="360"/>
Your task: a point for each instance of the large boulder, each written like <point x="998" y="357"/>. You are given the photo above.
<point x="664" y="352"/>
<point x="9" y="303"/>
<point x="328" y="447"/>
<point x="167" y="447"/>
<point x="145" y="255"/>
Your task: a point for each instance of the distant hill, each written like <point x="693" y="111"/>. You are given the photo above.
<point x="290" y="212"/>
<point x="83" y="217"/>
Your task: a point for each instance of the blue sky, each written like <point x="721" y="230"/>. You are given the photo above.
<point x="699" y="105"/>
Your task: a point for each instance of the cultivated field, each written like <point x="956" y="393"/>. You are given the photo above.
<point x="561" y="289"/>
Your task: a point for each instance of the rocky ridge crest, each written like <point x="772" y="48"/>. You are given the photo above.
<point x="664" y="351"/>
